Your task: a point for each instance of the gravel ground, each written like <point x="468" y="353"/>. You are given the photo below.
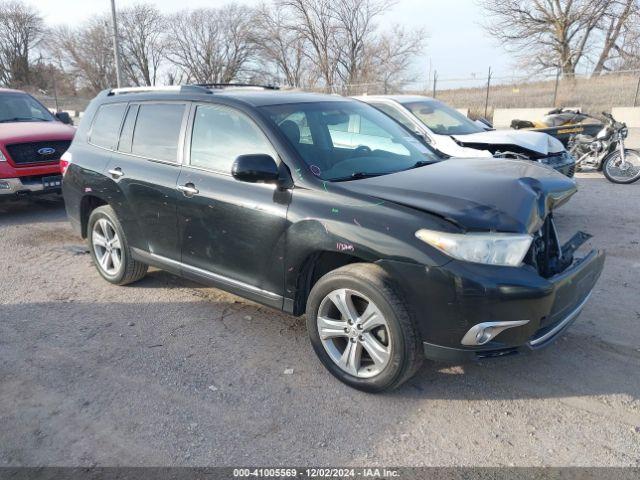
<point x="166" y="372"/>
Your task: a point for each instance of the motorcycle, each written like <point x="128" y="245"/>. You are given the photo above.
<point x="606" y="151"/>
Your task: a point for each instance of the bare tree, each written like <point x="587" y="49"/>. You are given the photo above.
<point x="356" y="36"/>
<point x="280" y="46"/>
<point x="616" y="20"/>
<point x="547" y="33"/>
<point x="211" y="45"/>
<point x="21" y="30"/>
<point x="314" y="21"/>
<point x="394" y="54"/>
<point x="143" y="43"/>
<point x="86" y="52"/>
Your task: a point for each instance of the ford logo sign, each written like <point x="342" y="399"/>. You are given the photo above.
<point x="46" y="151"/>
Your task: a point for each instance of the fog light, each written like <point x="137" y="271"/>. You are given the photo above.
<point x="483" y="332"/>
<point x="4" y="185"/>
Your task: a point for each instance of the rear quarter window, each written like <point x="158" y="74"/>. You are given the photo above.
<point x="106" y="125"/>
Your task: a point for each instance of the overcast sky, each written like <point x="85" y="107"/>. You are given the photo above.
<point x="457" y="45"/>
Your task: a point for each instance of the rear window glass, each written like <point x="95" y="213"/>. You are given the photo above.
<point x="106" y="125"/>
<point x="157" y="131"/>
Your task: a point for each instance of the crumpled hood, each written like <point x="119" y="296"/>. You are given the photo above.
<point x="477" y="194"/>
<point x="538" y="142"/>
<point x="21" y="132"/>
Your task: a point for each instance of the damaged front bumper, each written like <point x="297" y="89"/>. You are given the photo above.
<point x="450" y="300"/>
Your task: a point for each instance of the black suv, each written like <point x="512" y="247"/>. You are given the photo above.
<point x="392" y="254"/>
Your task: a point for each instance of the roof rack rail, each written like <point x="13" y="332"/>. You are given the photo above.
<point x="236" y="85"/>
<point x="167" y="88"/>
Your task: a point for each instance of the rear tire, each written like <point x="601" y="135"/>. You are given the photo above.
<point x="340" y="333"/>
<point x="110" y="250"/>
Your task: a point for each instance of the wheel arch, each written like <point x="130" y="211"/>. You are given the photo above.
<point x="87" y="205"/>
<point x="315" y="266"/>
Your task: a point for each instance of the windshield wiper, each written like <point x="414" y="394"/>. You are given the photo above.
<point x="359" y="175"/>
<point x="21" y="119"/>
<point x="422" y="163"/>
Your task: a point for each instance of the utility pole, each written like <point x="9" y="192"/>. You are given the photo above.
<point x="486" y="100"/>
<point x="555" y="89"/>
<point x="435" y="82"/>
<point x="116" y="43"/>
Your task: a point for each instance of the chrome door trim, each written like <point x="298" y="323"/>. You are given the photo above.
<point x="159" y="259"/>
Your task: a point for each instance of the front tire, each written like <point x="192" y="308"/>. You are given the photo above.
<point x="361" y="329"/>
<point x="624" y="173"/>
<point x="110" y="250"/>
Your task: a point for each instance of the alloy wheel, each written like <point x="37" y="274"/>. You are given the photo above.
<point x="354" y="332"/>
<point x="107" y="247"/>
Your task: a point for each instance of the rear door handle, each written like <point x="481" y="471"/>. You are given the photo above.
<point x="116" y="172"/>
<point x="188" y="189"/>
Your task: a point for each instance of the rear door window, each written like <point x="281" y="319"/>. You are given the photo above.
<point x="106" y="125"/>
<point x="157" y="131"/>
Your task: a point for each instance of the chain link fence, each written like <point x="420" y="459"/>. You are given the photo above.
<point x="480" y="95"/>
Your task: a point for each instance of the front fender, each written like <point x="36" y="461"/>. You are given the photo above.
<point x="366" y="230"/>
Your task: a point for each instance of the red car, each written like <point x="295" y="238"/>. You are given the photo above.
<point x="32" y="140"/>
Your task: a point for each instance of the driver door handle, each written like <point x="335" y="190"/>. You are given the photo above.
<point x="188" y="189"/>
<point x="116" y="172"/>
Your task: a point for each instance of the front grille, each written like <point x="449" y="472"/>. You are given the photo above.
<point x="572" y="171"/>
<point x="37" y="152"/>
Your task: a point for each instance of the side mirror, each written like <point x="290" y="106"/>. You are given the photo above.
<point x="64" y="117"/>
<point x="257" y="168"/>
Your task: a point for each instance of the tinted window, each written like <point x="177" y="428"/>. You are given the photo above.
<point x="106" y="126"/>
<point x="221" y="134"/>
<point x="126" y="137"/>
<point x="158" y="130"/>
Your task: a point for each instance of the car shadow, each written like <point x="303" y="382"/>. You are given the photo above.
<point x="40" y="209"/>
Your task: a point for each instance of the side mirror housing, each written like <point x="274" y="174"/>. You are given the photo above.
<point x="257" y="168"/>
<point x="64" y="117"/>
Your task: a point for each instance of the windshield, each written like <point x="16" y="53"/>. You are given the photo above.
<point x="348" y="140"/>
<point x="442" y="119"/>
<point x="20" y="107"/>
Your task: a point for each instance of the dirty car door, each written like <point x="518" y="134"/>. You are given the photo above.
<point x="232" y="232"/>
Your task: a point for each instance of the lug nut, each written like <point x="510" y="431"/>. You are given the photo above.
<point x="346" y="330"/>
<point x="361" y="337"/>
<point x="350" y="322"/>
<point x="353" y="340"/>
<point x="359" y="326"/>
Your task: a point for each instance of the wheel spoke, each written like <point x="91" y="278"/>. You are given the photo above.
<point x="329" y="328"/>
<point x="115" y="259"/>
<point x="371" y="318"/>
<point x="99" y="240"/>
<point x="115" y="243"/>
<point x="350" y="360"/>
<point x="104" y="226"/>
<point x="343" y="301"/>
<point x="105" y="260"/>
<point x="376" y="350"/>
